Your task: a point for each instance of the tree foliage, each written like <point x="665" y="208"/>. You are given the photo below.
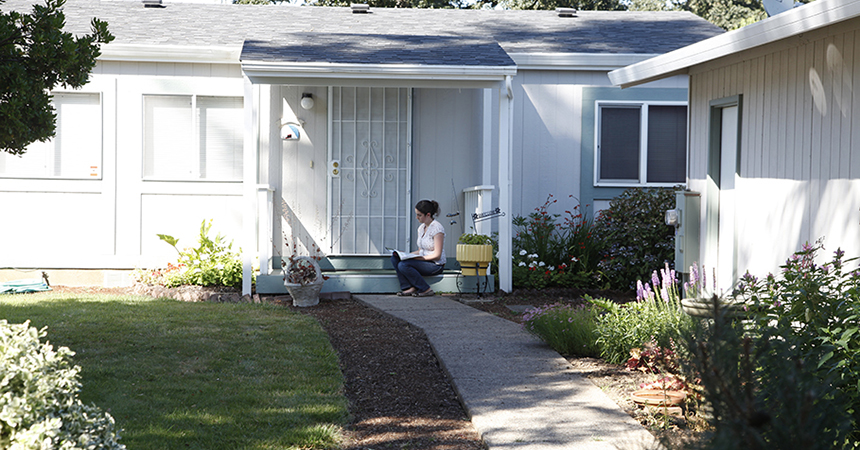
<point x="35" y="57"/>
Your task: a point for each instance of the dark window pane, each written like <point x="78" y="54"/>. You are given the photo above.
<point x="619" y="143"/>
<point x="667" y="144"/>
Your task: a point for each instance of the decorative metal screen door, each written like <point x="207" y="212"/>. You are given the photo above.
<point x="370" y="147"/>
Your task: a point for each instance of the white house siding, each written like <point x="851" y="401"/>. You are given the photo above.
<point x="111" y="221"/>
<point x="446" y="152"/>
<point x="799" y="157"/>
<point x="300" y="175"/>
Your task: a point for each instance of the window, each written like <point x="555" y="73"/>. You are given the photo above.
<point x="76" y="149"/>
<point x="641" y="143"/>
<point x="190" y="137"/>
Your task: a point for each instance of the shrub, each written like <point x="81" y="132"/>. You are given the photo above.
<point x="552" y="253"/>
<point x="656" y="316"/>
<point x="568" y="329"/>
<point x="39" y="397"/>
<point x="762" y="392"/>
<point x="815" y="311"/>
<point x="211" y="263"/>
<point x="636" y="241"/>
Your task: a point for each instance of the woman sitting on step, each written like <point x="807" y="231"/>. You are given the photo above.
<point x="430" y="259"/>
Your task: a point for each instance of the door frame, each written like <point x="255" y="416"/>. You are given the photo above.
<point x="715" y="184"/>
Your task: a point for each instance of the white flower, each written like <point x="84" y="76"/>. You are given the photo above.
<point x="551" y="268"/>
<point x="522" y="264"/>
<point x="541" y="264"/>
<point x="523" y="253"/>
<point x="533" y="263"/>
<point x="533" y="255"/>
<point x="573" y="258"/>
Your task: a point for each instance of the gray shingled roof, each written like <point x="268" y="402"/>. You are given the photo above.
<point x="385" y="36"/>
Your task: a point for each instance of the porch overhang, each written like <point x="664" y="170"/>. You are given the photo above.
<point x="379" y="61"/>
<point x="376" y="75"/>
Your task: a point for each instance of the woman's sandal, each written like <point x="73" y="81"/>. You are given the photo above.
<point x="406" y="294"/>
<point x="427" y="293"/>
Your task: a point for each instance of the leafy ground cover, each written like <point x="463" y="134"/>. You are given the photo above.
<point x="197" y="375"/>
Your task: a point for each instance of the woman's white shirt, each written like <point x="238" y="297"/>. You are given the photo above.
<point x="426" y="242"/>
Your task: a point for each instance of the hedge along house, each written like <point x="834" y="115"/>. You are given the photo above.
<point x="774" y="152"/>
<point x="319" y="128"/>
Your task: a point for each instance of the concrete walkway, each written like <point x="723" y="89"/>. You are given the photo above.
<point x="519" y="393"/>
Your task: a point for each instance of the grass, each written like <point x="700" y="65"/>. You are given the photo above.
<point x="197" y="375"/>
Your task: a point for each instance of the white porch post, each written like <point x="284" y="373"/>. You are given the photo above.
<point x="506" y="107"/>
<point x="249" y="183"/>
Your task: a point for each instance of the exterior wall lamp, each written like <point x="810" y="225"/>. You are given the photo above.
<point x="307" y="100"/>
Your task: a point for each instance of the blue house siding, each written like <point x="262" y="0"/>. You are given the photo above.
<point x="592" y="195"/>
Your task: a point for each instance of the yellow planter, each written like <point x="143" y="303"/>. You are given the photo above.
<point x="474" y="259"/>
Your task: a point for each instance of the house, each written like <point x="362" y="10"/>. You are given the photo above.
<point x="774" y="152"/>
<point x="319" y="128"/>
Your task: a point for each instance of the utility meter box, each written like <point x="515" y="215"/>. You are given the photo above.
<point x="685" y="219"/>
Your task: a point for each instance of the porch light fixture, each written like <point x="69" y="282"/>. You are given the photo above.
<point x="307" y="100"/>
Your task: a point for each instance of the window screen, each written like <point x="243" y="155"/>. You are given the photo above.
<point x="619" y="143"/>
<point x="76" y="149"/>
<point x="188" y="137"/>
<point x="667" y="144"/>
<point x="641" y="143"/>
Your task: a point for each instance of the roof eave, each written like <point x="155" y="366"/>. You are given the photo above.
<point x="577" y="61"/>
<point x="264" y="72"/>
<point x="799" y="20"/>
<point x="226" y="54"/>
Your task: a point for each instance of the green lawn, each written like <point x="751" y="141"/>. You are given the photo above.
<point x="208" y="376"/>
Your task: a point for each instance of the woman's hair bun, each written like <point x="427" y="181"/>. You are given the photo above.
<point x="428" y="207"/>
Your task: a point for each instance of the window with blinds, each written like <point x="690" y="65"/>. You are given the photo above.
<point x="641" y="143"/>
<point x="191" y="137"/>
<point x="75" y="152"/>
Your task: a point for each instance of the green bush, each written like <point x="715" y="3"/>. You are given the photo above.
<point x="656" y="316"/>
<point x="39" y="405"/>
<point x="815" y="310"/>
<point x="762" y="391"/>
<point x="568" y="329"/>
<point x="552" y="253"/>
<point x="211" y="263"/>
<point x="636" y="240"/>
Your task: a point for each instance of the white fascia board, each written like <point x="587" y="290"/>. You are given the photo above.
<point x="171" y="53"/>
<point x="382" y="72"/>
<point x="798" y="20"/>
<point x="577" y="61"/>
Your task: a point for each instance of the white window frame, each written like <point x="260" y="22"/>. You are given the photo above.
<point x="195" y="139"/>
<point x="96" y="165"/>
<point x="643" y="142"/>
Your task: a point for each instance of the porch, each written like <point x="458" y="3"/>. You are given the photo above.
<point x="340" y="183"/>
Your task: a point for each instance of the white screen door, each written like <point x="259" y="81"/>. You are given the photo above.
<point x="370" y="141"/>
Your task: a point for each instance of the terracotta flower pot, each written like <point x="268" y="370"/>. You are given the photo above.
<point x="658" y="397"/>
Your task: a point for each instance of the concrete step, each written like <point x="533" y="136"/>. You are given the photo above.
<point x="380" y="282"/>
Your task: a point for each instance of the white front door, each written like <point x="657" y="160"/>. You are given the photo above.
<point x="370" y="204"/>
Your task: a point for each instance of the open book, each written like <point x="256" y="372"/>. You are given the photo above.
<point x="403" y="255"/>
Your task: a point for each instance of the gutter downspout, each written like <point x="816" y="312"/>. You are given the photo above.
<point x="506" y="121"/>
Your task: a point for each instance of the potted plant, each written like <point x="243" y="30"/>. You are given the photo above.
<point x="474" y="253"/>
<point x="303" y="280"/>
